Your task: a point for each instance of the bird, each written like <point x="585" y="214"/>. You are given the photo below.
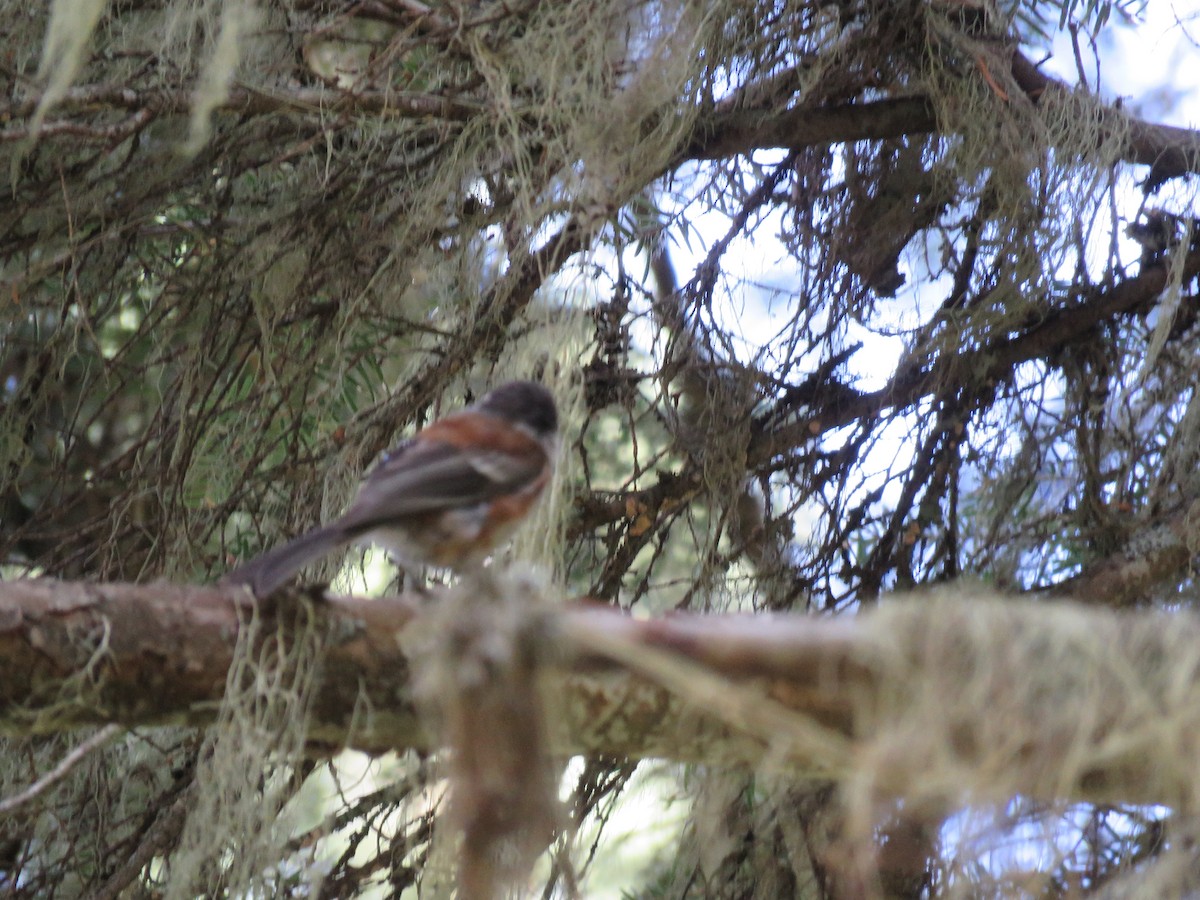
<point x="445" y="497"/>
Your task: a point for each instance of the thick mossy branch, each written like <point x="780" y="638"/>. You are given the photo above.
<point x="960" y="695"/>
<point x="77" y="654"/>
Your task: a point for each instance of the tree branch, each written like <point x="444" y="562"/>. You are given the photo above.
<point x="742" y="130"/>
<point x="727" y="131"/>
<point x="91" y="98"/>
<point x="1159" y="552"/>
<point x="8" y="805"/>
<point x="828" y="405"/>
<point x="964" y="679"/>
<point x="1168" y="150"/>
<point x="76" y="654"/>
<point x="994" y="361"/>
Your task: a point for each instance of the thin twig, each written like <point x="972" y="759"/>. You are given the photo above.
<point x="61" y="771"/>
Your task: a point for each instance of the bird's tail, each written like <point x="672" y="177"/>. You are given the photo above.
<point x="265" y="573"/>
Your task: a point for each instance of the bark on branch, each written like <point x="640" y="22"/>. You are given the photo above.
<point x="74" y="654"/>
<point x="950" y="696"/>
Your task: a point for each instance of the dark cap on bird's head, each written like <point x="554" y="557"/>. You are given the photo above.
<point x="523" y="403"/>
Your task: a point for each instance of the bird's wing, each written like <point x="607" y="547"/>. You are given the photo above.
<point x="427" y="476"/>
